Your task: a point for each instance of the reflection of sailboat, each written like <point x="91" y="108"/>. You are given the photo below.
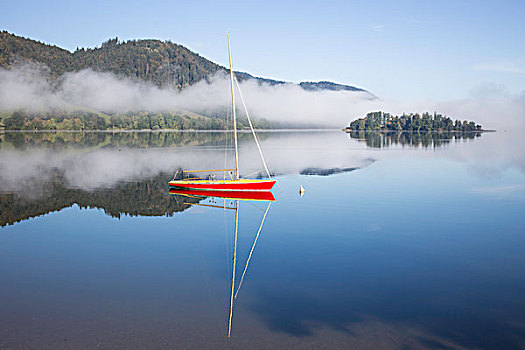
<point x="234" y="195"/>
<point x="233" y="294"/>
<point x="237" y="196"/>
<point x="233" y="184"/>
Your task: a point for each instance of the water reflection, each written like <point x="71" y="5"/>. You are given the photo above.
<point x="102" y="160"/>
<point x="133" y="139"/>
<point x="234" y="198"/>
<point x="125" y="173"/>
<point x="413" y="139"/>
<point x="410" y="251"/>
<point x="148" y="197"/>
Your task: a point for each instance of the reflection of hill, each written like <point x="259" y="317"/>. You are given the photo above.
<point x="145" y="198"/>
<point x="58" y="140"/>
<point x="326" y="172"/>
<point x="387" y="139"/>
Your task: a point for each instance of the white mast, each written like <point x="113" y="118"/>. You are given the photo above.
<point x="233" y="112"/>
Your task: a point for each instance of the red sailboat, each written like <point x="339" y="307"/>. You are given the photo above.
<point x="235" y="183"/>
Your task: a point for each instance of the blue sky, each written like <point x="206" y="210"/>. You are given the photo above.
<point x="405" y="50"/>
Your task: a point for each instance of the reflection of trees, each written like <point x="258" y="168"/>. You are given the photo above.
<point x="58" y="140"/>
<point x="425" y="140"/>
<point x="145" y="198"/>
<point x="326" y="172"/>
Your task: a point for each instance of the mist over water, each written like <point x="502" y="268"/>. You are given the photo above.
<point x="92" y="168"/>
<point x="111" y="159"/>
<point x="26" y="87"/>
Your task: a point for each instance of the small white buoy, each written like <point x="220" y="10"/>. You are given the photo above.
<point x="301" y="190"/>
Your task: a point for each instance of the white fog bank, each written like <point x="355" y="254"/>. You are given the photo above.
<point x="26" y="88"/>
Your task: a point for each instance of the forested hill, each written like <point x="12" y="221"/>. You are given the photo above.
<point x="162" y="63"/>
<point x="327" y="85"/>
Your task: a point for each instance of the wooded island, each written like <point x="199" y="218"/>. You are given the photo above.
<point x="413" y="122"/>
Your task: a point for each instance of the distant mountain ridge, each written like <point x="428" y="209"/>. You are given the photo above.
<point x="327" y="85"/>
<point x="162" y="63"/>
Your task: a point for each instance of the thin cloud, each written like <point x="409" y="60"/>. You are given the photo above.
<point x="378" y="27"/>
<point x="505" y="67"/>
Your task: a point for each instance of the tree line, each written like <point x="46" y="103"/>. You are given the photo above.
<point x="84" y="120"/>
<point x="60" y="140"/>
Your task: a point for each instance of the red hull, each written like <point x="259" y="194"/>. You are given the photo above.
<point x="247" y="195"/>
<point x="256" y="185"/>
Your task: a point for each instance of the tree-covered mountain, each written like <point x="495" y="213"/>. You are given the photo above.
<point x="162" y="63"/>
<point x="327" y="85"/>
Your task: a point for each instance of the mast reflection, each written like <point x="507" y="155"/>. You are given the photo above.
<point x="235" y="198"/>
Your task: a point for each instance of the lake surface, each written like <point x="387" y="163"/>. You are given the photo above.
<point x="400" y="242"/>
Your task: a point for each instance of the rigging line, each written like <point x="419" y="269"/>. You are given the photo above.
<point x="251" y="127"/>
<point x="253" y="248"/>
<point x="256" y="172"/>
<point x="210" y="205"/>
<point x="254" y="206"/>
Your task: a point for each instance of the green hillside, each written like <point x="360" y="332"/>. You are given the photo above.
<point x="163" y="63"/>
<point x="17" y="50"/>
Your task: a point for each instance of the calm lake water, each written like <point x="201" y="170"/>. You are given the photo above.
<point x="400" y="242"/>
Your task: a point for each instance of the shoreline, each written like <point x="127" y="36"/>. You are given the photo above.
<point x="171" y="130"/>
<point x="347" y="130"/>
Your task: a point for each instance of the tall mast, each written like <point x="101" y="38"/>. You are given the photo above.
<point x="233" y="112"/>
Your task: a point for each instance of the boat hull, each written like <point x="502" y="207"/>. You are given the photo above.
<point x="224" y="185"/>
